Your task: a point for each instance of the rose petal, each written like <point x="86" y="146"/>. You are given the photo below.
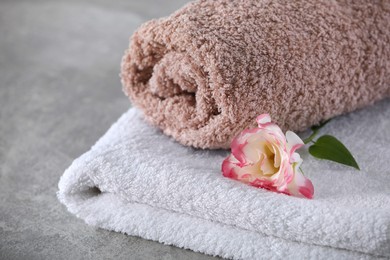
<point x="296" y="159"/>
<point x="294" y="142"/>
<point x="265" y="184"/>
<point x="256" y="143"/>
<point x="263" y="119"/>
<point x="239" y="144"/>
<point x="278" y="156"/>
<point x="300" y="186"/>
<point x="264" y="122"/>
<point x="228" y="167"/>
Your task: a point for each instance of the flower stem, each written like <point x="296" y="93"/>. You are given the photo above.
<point x="315" y="130"/>
<point x="311" y="137"/>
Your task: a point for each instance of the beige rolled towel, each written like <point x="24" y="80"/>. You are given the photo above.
<point x="204" y="73"/>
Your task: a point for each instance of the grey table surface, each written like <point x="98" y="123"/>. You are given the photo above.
<point x="59" y="92"/>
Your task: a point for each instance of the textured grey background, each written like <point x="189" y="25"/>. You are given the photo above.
<point x="59" y="92"/>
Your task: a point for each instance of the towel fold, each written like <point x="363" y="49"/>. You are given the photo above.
<point x="138" y="181"/>
<point x="204" y="73"/>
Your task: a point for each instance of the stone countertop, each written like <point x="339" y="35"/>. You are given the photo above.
<point x="59" y="92"/>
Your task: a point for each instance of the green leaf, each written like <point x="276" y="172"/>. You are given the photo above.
<point x="329" y="148"/>
<point x="315" y="130"/>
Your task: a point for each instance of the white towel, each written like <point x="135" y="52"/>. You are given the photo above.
<point x="138" y="181"/>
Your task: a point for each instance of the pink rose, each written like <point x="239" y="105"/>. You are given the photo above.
<point x="265" y="158"/>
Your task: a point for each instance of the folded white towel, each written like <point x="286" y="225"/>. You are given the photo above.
<point x="138" y="181"/>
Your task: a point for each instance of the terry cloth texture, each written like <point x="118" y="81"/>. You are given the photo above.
<point x="138" y="181"/>
<point x="204" y="73"/>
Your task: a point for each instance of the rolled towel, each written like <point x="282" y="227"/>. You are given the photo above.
<point x="204" y="73"/>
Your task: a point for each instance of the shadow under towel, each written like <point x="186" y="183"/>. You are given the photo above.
<point x="138" y="181"/>
<point x="204" y="73"/>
